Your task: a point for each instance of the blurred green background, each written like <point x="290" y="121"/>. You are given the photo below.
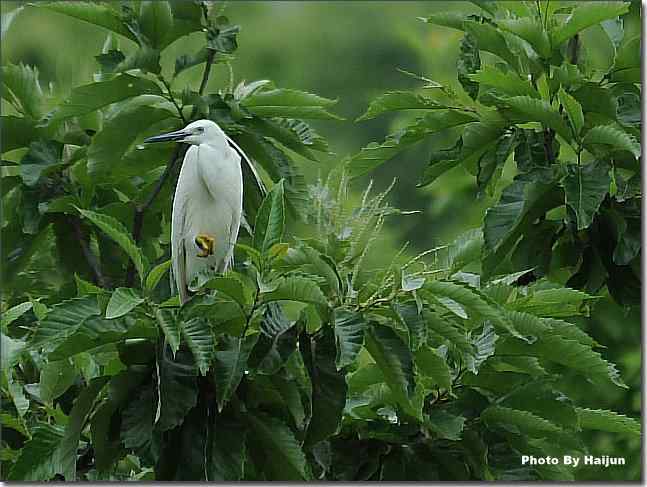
<point x="351" y="51"/>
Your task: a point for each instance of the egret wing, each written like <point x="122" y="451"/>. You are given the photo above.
<point x="178" y="230"/>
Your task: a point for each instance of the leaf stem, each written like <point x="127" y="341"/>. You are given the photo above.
<point x="87" y="252"/>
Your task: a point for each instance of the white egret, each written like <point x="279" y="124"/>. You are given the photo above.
<point x="208" y="202"/>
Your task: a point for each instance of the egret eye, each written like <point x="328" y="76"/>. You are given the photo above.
<point x="200" y="130"/>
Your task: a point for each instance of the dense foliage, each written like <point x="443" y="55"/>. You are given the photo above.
<point x="303" y="362"/>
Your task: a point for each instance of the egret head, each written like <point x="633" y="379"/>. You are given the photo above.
<point x="196" y="133"/>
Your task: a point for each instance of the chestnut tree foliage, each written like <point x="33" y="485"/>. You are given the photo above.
<point x="303" y="362"/>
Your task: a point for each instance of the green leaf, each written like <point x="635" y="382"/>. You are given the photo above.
<point x="609" y="135"/>
<point x="395" y="101"/>
<point x="13" y="313"/>
<point x="42" y="158"/>
<point x="288" y="461"/>
<point x="107" y="159"/>
<point x="55" y="379"/>
<point x="297" y="289"/>
<point x="329" y="388"/>
<point x="555" y="302"/>
<point x="230" y="363"/>
<point x="573" y="110"/>
<point x="447" y="329"/>
<point x="64" y="319"/>
<point x="154" y="276"/>
<point x="198" y="336"/>
<point x="21" y="88"/>
<point x="178" y="392"/>
<point x="584" y="16"/>
<point x="11" y="350"/>
<point x="442" y="161"/>
<point x="156" y="22"/>
<point x="627" y="63"/>
<point x="17" y="132"/>
<point x="122" y="302"/>
<point x="94" y="332"/>
<point x="453" y="20"/>
<point x="530" y="30"/>
<point x="88" y="98"/>
<point x="445" y="425"/>
<point x="349" y="336"/>
<point x="520" y="422"/>
<point x="604" y="420"/>
<point x="39" y="459"/>
<point x="585" y="188"/>
<point x="77" y="418"/>
<point x="170" y="326"/>
<point x="484" y="345"/>
<point x="137" y="420"/>
<point x="414" y="321"/>
<point x="289" y="104"/>
<point x="270" y="220"/>
<point x="117" y="232"/>
<point x="508" y="83"/>
<point x="374" y="155"/>
<point x="433" y="368"/>
<point x="98" y="14"/>
<point x="529" y="109"/>
<point x="222" y="37"/>
<point x="469" y="61"/>
<point x="395" y="360"/>
<point x="229" y="459"/>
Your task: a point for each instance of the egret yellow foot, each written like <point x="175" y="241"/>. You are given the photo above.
<point x="206" y="244"/>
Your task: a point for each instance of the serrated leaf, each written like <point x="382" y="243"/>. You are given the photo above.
<point x="395" y="101"/>
<point x="270" y="220"/>
<point x="15" y="312"/>
<point x="117" y="232"/>
<point x="288" y="460"/>
<point x="469" y="61"/>
<point x="297" y="289"/>
<point x="484" y="345"/>
<point x="395" y="360"/>
<point x="433" y="368"/>
<point x="556" y="302"/>
<point x="156" y="273"/>
<point x="155" y="21"/>
<point x="627" y="62"/>
<point x="88" y="98"/>
<point x="122" y="302"/>
<point x="447" y="329"/>
<point x="77" y="418"/>
<point x="374" y="155"/>
<point x="604" y="420"/>
<point x="137" y="420"/>
<point x="178" y="392"/>
<point x="349" y="336"/>
<point x="584" y="16"/>
<point x="289" y="104"/>
<point x="329" y="390"/>
<point x="39" y="459"/>
<point x="230" y="363"/>
<point x="20" y="86"/>
<point x="530" y="30"/>
<point x="585" y="188"/>
<point x="55" y="379"/>
<point x="414" y="321"/>
<point x="17" y="132"/>
<point x="10" y="350"/>
<point x="445" y="425"/>
<point x="573" y="110"/>
<point x="98" y="14"/>
<point x="520" y="422"/>
<point x="198" y="336"/>
<point x="508" y="83"/>
<point x="43" y="157"/>
<point x="529" y="109"/>
<point x="440" y="162"/>
<point x="169" y="324"/>
<point x="94" y="332"/>
<point x="613" y="137"/>
<point x="64" y="319"/>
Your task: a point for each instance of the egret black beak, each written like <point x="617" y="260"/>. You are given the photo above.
<point x="171" y="136"/>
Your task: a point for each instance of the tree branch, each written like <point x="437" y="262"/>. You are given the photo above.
<point x="178" y="153"/>
<point x="87" y="252"/>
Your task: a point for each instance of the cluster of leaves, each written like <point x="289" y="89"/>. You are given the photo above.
<point x="568" y="129"/>
<point x="299" y="363"/>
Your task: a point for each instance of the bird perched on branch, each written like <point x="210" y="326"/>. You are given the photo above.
<point x="208" y="201"/>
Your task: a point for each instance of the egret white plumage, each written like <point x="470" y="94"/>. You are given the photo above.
<point x="208" y="202"/>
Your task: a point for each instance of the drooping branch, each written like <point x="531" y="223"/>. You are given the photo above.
<point x="90" y="258"/>
<point x="176" y="156"/>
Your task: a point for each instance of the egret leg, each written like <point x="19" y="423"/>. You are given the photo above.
<point x="206" y="244"/>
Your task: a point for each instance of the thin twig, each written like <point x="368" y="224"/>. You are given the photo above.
<point x="91" y="259"/>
